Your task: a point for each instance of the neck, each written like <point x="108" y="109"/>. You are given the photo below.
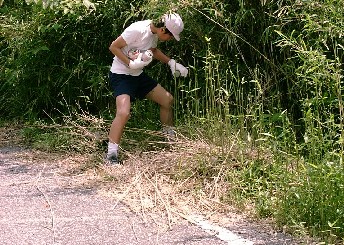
<point x="153" y="28"/>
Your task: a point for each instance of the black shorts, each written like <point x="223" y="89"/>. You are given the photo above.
<point x="137" y="87"/>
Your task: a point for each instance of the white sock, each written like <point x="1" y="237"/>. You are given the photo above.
<point x="112" y="149"/>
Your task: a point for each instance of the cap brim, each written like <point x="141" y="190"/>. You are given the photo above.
<point x="177" y="37"/>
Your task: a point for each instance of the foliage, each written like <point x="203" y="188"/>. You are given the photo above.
<point x="269" y="72"/>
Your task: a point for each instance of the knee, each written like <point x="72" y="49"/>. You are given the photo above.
<point x="168" y="102"/>
<point x="170" y="99"/>
<point x="123" y="115"/>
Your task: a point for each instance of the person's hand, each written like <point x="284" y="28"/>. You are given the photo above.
<point x="138" y="63"/>
<point x="177" y="69"/>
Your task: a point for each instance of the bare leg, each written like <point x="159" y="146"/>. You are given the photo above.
<point x="121" y="118"/>
<point x="165" y="100"/>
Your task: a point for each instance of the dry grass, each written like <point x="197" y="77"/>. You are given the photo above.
<point x="177" y="182"/>
<point x="9" y="135"/>
<point x="155" y="183"/>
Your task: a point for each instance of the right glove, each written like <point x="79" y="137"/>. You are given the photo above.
<point x="177" y="68"/>
<point x="138" y="63"/>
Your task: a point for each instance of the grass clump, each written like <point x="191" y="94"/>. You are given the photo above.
<point x="257" y="175"/>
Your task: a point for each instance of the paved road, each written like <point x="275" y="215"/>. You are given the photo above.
<point x="38" y="206"/>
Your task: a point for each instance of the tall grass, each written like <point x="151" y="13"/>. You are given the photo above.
<point x="301" y="183"/>
<point x="266" y="75"/>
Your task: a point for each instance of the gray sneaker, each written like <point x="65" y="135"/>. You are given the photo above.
<point x="169" y="134"/>
<point x="112" y="160"/>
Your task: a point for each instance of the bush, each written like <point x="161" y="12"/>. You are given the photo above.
<point x="271" y="71"/>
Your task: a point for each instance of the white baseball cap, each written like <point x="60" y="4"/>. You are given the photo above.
<point x="174" y="24"/>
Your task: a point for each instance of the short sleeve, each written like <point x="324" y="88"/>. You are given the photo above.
<point x="130" y="34"/>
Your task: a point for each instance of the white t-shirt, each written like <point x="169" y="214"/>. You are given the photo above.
<point x="138" y="36"/>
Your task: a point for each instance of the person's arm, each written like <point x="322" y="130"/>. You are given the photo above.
<point x="115" y="49"/>
<point x="176" y="68"/>
<point x="159" y="55"/>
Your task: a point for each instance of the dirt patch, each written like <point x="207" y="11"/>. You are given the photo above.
<point x="10" y="136"/>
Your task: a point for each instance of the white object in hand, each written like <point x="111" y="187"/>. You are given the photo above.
<point x="147" y="55"/>
<point x="138" y="63"/>
<point x="177" y="68"/>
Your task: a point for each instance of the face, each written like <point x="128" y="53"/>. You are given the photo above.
<point x="164" y="34"/>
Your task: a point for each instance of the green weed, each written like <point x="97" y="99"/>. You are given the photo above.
<point x="265" y="86"/>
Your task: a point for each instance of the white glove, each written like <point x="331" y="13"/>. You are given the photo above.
<point x="138" y="63"/>
<point x="177" y="69"/>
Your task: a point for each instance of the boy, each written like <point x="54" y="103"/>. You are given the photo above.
<point x="128" y="80"/>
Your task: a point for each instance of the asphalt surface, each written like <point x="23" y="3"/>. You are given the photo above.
<point x="40" y="206"/>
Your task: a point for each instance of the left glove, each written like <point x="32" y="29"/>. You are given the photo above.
<point x="177" y="69"/>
